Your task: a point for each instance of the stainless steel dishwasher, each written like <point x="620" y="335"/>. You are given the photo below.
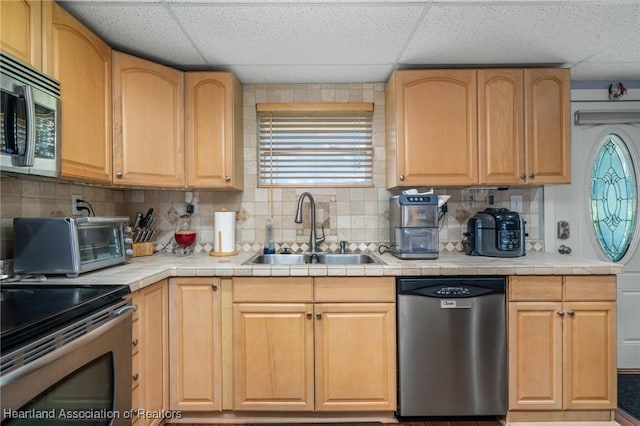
<point x="452" y="352"/>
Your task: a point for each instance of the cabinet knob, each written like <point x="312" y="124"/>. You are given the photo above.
<point x="319" y="315"/>
<point x="135" y="342"/>
<point x="571" y="313"/>
<point x="531" y="176"/>
<point x="401" y="177"/>
<point x="119" y="175"/>
<point x="227" y="178"/>
<point x="214" y="287"/>
<point x="561" y="313"/>
<point x="309" y="315"/>
<point x="135" y="376"/>
<point x="523" y="176"/>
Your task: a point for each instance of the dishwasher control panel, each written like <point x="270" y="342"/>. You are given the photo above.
<point x="453" y="291"/>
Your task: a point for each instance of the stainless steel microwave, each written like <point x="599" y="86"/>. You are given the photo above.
<point x="29" y="120"/>
<point x="70" y="246"/>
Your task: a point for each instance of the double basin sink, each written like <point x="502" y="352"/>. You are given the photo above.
<point x="314" y="258"/>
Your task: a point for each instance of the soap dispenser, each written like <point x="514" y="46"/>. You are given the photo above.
<point x="269" y="247"/>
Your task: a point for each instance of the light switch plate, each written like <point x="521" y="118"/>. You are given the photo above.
<point x="516" y="203"/>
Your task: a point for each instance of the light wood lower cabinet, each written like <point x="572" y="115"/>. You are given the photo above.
<point x="562" y="343"/>
<point x="150" y="365"/>
<point x="324" y="344"/>
<point x="195" y="344"/>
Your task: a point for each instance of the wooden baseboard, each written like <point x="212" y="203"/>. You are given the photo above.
<point x="241" y="418"/>
<point x="560" y="416"/>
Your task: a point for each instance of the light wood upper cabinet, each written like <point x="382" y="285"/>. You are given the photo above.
<point x="21" y="30"/>
<point x="562" y="343"/>
<point x="487" y="126"/>
<point x="148" y="141"/>
<point x="152" y="366"/>
<point x="82" y="63"/>
<point x="431" y="127"/>
<point x="501" y="148"/>
<point x="213" y="120"/>
<point x="195" y="347"/>
<point x="548" y="125"/>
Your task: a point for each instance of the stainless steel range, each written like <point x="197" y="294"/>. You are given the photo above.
<point x="65" y="354"/>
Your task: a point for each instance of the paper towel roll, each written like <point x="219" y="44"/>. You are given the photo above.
<point x="224" y="228"/>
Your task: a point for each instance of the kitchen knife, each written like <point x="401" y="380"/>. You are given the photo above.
<point x="146" y="218"/>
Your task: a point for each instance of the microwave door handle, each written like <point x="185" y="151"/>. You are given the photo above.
<point x="8" y="107"/>
<point x="30" y="143"/>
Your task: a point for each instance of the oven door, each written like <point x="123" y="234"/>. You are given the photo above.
<point x="87" y="381"/>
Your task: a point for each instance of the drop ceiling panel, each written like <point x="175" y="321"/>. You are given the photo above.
<point x="514" y="33"/>
<point x="291" y="34"/>
<point x="312" y="74"/>
<point x="146" y="29"/>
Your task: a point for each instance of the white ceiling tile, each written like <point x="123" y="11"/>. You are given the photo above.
<point x="299" y="34"/>
<point x="138" y="28"/>
<point x="265" y="74"/>
<point x="504" y="33"/>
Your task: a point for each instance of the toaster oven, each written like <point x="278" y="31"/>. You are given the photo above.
<point x="70" y="246"/>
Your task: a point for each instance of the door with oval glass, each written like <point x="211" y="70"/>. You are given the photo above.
<point x="596" y="216"/>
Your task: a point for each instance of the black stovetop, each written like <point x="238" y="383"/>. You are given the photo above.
<point x="29" y="311"/>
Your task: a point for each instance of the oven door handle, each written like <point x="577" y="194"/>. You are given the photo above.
<point x="125" y="309"/>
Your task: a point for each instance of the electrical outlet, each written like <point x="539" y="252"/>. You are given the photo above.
<point x="516" y="203"/>
<point x="74" y="205"/>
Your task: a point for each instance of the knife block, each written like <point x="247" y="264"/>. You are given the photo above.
<point x="142" y="249"/>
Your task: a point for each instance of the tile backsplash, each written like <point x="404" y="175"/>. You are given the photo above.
<point x="357" y="215"/>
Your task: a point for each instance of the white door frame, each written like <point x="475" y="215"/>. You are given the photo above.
<point x="555" y="201"/>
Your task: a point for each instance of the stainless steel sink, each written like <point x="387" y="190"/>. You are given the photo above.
<point x="314" y="258"/>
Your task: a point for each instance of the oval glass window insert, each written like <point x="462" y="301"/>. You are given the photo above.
<point x="614" y="197"/>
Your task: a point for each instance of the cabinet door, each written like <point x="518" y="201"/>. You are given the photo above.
<point x="548" y="125"/>
<point x="590" y="378"/>
<point x="213" y="130"/>
<point x="535" y="356"/>
<point x="436" y="127"/>
<point x="355" y="357"/>
<point x="501" y="126"/>
<point x="82" y="64"/>
<point x="21" y="30"/>
<point x="153" y="342"/>
<point x="273" y="356"/>
<point x="148" y="140"/>
<point x="195" y="344"/>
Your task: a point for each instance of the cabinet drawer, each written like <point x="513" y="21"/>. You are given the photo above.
<point x="280" y="289"/>
<point x="590" y="287"/>
<point x="535" y="288"/>
<point x="354" y="289"/>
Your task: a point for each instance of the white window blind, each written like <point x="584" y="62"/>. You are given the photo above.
<point x="315" y="144"/>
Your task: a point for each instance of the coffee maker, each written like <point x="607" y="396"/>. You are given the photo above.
<point x="414" y="226"/>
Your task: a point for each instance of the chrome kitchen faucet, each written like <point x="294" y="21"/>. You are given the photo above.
<point x="313" y="240"/>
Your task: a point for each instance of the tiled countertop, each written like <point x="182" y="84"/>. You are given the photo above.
<point x="144" y="271"/>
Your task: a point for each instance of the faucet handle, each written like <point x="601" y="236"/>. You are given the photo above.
<point x="343" y="247"/>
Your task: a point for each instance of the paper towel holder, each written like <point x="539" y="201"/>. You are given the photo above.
<point x="220" y="245"/>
